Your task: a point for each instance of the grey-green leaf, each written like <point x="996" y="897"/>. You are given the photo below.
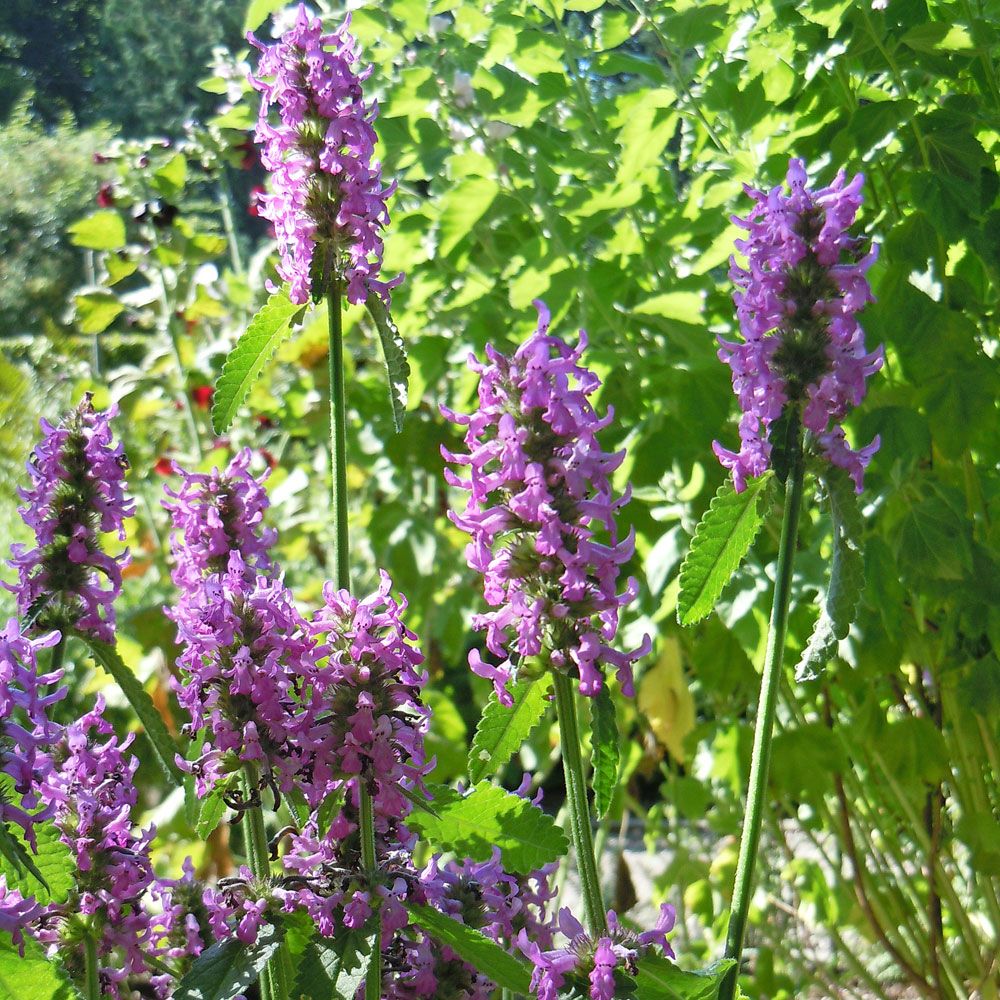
<point x="228" y="968"/>
<point x="502" y="731"/>
<point x="839" y="603"/>
<point x="397" y="368"/>
<point x="604" y="740"/>
<point x="250" y="353"/>
<point x="721" y="542"/>
<point x="334" y="968"/>
<point x="165" y="748"/>
<point x="505" y="969"/>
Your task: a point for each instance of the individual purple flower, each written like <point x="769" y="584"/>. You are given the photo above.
<point x="26" y="732"/>
<point x="77" y="493"/>
<point x="327" y="201"/>
<point x="17" y="913"/>
<point x="797" y="301"/>
<point x="541" y="513"/>
<point x="590" y="965"/>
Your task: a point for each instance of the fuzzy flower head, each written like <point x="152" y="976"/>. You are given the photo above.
<point x="76" y="494"/>
<point x="327" y="202"/>
<point x="541" y="513"/>
<point x="797" y="301"/>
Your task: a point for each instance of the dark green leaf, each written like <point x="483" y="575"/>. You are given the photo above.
<point x="228" y="968"/>
<point x="659" y="979"/>
<point x="502" y="731"/>
<point x="397" y="368"/>
<point x="334" y="968"/>
<point x="720" y="543"/>
<point x="503" y="968"/>
<point x="33" y="977"/>
<point x="48" y="874"/>
<point x="251" y="352"/>
<point x="604" y="738"/>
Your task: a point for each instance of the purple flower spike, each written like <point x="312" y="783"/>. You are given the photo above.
<point x="541" y="513"/>
<point x="797" y="301"/>
<point x="327" y="202"/>
<point x="77" y="493"/>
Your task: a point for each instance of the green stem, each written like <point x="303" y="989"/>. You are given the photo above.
<point x="91" y="968"/>
<point x="764" y="728"/>
<point x="578" y="806"/>
<point x="369" y="859"/>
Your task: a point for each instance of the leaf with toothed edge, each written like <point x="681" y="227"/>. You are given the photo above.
<point x="229" y="968"/>
<point x="397" y="368"/>
<point x="502" y="731"/>
<point x="32" y="975"/>
<point x="604" y="740"/>
<point x="334" y="968"/>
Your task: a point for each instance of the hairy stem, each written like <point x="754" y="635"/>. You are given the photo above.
<point x="764" y="728"/>
<point x="91" y="968"/>
<point x="257" y="855"/>
<point x="578" y="806"/>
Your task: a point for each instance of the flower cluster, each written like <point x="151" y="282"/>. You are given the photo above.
<point x="540" y="502"/>
<point x="77" y="492"/>
<point x="327" y="202"/>
<point x="591" y="965"/>
<point x="797" y="301"/>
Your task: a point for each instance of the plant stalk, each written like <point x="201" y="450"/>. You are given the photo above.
<point x="764" y="728"/>
<point x="578" y="806"/>
<point x="91" y="968"/>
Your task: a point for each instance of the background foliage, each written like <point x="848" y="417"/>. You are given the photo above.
<point x="590" y="153"/>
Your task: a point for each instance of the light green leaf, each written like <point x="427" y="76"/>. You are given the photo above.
<point x="503" y="968"/>
<point x="465" y="205"/>
<point x="228" y="968"/>
<point x="34" y="976"/>
<point x="213" y="808"/>
<point x="102" y="230"/>
<point x="169" y="179"/>
<point x="49" y="875"/>
<point x="163" y="743"/>
<point x="847" y="576"/>
<point x="259" y="11"/>
<point x="502" y="731"/>
<point x="96" y="311"/>
<point x="684" y="307"/>
<point x="397" y="368"/>
<point x="489" y="817"/>
<point x="604" y="740"/>
<point x="659" y="979"/>
<point x="721" y="541"/>
<point x="251" y="352"/>
<point x="334" y="968"/>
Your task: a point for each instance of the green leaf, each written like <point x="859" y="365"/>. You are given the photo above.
<point x="228" y="968"/>
<point x="103" y="230"/>
<point x="502" y="731"/>
<point x="505" y="969"/>
<point x="33" y="976"/>
<point x="489" y="817"/>
<point x="659" y="979"/>
<point x="163" y="743"/>
<point x="334" y="968"/>
<point x="250" y="353"/>
<point x="464" y="206"/>
<point x="721" y="541"/>
<point x="213" y="808"/>
<point x="259" y="11"/>
<point x="839" y="603"/>
<point x="48" y="874"/>
<point x="684" y="307"/>
<point x="604" y="739"/>
<point x="169" y="179"/>
<point x="96" y="311"/>
<point x="397" y="368"/>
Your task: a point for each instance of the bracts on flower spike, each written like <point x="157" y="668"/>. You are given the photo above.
<point x="803" y="352"/>
<point x="541" y="513"/>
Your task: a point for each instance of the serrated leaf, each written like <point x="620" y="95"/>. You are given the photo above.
<point x="659" y="979"/>
<point x="503" y="968"/>
<point x="502" y="731"/>
<point x="165" y="748"/>
<point x="48" y="874"/>
<point x="228" y="968"/>
<point x="34" y="975"/>
<point x="103" y="230"/>
<point x="397" y="368"/>
<point x="839" y="603"/>
<point x="721" y="542"/>
<point x="489" y="817"/>
<point x="604" y="740"/>
<point x="334" y="968"/>
<point x="250" y="353"/>
<point x="213" y="808"/>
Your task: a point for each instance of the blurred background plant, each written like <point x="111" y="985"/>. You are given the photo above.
<point x="589" y="153"/>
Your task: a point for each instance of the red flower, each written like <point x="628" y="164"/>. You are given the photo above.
<point x="201" y="396"/>
<point x="164" y="466"/>
<point x="105" y="195"/>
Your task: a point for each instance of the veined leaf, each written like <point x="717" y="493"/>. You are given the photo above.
<point x="721" y="542"/>
<point x="334" y="968"/>
<point x="505" y="969"/>
<point x="604" y="739"/>
<point x="34" y="976"/>
<point x="488" y="817"/>
<point x="48" y="874"/>
<point x="163" y="743"/>
<point x="229" y="967"/>
<point x="659" y="979"/>
<point x="502" y="731"/>
<point x="250" y="353"/>
<point x="397" y="368"/>
<point x="847" y="576"/>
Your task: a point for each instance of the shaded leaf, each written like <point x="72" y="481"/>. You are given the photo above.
<point x="48" y="874"/>
<point x="666" y="701"/>
<point x="96" y="311"/>
<point x="604" y="740"/>
<point x="659" y="979"/>
<point x="397" y="368"/>
<point x="334" y="968"/>
<point x="502" y="731"/>
<point x="228" y="968"/>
